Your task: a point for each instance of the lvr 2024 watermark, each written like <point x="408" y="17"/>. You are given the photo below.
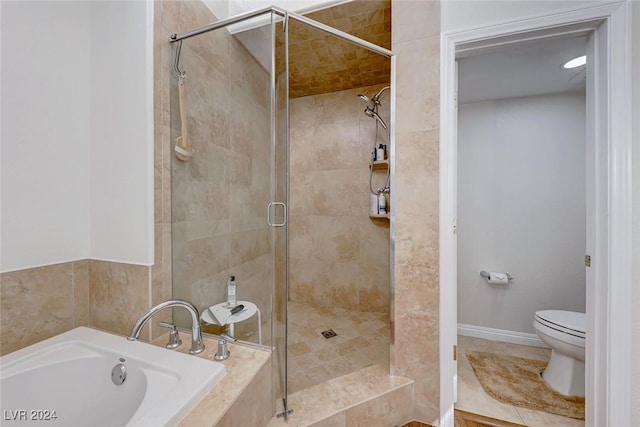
<point x="29" y="415"/>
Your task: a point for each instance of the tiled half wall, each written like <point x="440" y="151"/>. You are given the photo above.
<point x="38" y="303"/>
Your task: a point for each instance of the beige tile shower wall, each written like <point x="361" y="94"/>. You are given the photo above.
<point x="219" y="197"/>
<point x="338" y="255"/>
<point x="414" y="353"/>
<point x="38" y="303"/>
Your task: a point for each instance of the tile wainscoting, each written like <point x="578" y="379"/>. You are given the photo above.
<point x="38" y="303"/>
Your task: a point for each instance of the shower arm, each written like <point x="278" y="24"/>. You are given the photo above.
<point x="376" y="97"/>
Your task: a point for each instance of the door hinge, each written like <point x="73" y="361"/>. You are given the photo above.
<point x="455" y="352"/>
<point x="587" y="260"/>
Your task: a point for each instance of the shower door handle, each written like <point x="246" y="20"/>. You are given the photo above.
<point x="284" y="214"/>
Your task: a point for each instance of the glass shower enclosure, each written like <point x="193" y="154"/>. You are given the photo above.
<point x="230" y="174"/>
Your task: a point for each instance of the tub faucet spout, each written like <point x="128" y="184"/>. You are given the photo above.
<point x="196" y="332"/>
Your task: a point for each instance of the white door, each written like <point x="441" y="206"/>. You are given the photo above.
<point x="454" y="230"/>
<point x="448" y="244"/>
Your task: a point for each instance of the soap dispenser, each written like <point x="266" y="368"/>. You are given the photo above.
<point x="382" y="203"/>
<point x="374" y="204"/>
<point x="231" y="291"/>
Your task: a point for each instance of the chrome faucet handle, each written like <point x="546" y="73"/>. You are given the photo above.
<point x="174" y="335"/>
<point x="223" y="352"/>
<point x="228" y="338"/>
<point x="196" y="331"/>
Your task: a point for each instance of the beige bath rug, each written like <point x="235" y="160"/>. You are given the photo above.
<point x="517" y="381"/>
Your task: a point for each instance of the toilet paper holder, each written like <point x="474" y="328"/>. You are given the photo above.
<point x="486" y="275"/>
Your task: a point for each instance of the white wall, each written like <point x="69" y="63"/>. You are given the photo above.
<point x="122" y="132"/>
<point x="635" y="373"/>
<point x="45" y="133"/>
<point x="77" y="133"/>
<point x="460" y="14"/>
<point x="521" y="208"/>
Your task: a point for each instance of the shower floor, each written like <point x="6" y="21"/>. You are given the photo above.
<point x="362" y="339"/>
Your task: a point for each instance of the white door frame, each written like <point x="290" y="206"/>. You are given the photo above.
<point x="609" y="284"/>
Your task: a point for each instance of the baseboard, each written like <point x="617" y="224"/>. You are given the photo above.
<point x="521" y="338"/>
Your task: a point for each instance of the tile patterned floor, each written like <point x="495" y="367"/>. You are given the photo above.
<point x="362" y="340"/>
<point x="472" y="398"/>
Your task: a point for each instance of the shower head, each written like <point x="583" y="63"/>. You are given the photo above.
<point x="371" y="106"/>
<point x="371" y="103"/>
<point x="368" y="102"/>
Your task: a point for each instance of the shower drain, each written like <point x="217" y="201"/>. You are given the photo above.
<point x="329" y="333"/>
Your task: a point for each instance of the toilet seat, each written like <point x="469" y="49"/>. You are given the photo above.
<point x="566" y="322"/>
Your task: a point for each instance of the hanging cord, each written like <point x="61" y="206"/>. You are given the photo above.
<point x="385" y="188"/>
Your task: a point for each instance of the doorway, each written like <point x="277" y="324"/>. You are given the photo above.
<point x="608" y="142"/>
<point x="521" y="213"/>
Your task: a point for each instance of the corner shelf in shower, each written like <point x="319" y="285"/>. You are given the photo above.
<point x="380" y="164"/>
<point x="379" y="216"/>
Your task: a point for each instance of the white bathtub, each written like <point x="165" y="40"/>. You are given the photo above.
<point x="66" y="381"/>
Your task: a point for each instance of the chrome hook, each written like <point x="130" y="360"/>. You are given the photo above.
<point x="176" y="63"/>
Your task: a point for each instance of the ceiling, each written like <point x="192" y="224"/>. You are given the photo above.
<point x="533" y="68"/>
<point x="322" y="63"/>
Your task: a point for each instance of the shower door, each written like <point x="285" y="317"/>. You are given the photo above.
<point x="280" y="188"/>
<point x="229" y="198"/>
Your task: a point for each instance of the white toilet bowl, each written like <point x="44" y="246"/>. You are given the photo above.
<point x="564" y="332"/>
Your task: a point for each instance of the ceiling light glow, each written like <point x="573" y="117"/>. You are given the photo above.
<point x="576" y="62"/>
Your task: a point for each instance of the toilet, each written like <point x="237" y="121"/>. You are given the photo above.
<point x="564" y="332"/>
